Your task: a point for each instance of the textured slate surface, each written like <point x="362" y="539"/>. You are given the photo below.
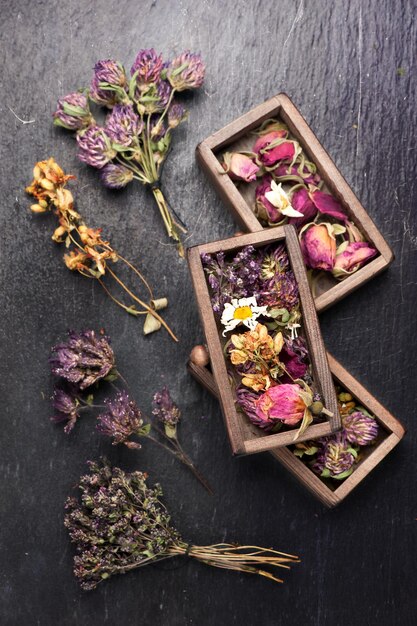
<point x="339" y="62"/>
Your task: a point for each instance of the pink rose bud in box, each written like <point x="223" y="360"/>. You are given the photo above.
<point x="265" y="209"/>
<point x="318" y="245"/>
<point x="239" y="166"/>
<point x="351" y="256"/>
<point x="282" y="403"/>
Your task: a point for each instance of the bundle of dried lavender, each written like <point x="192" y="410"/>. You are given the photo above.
<point x="120" y="524"/>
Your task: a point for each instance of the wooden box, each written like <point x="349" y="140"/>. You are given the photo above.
<point x="235" y="136"/>
<point x="327" y="491"/>
<point x="245" y="438"/>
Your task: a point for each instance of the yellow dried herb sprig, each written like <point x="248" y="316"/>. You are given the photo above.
<point x="88" y="253"/>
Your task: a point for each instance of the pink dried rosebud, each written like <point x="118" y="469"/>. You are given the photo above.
<point x="265" y="209"/>
<point x="279" y="150"/>
<point x="327" y="205"/>
<point x="301" y="201"/>
<point x="296" y="173"/>
<point x="282" y="403"/>
<point x="360" y="429"/>
<point x="266" y="140"/>
<point x="351" y="256"/>
<point x="239" y="166"/>
<point x="318" y="245"/>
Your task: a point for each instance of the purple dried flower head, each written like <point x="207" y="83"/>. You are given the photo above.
<point x="295" y="365"/>
<point x="84" y="359"/>
<point x="176" y="114"/>
<point x="73" y="112"/>
<point x="359" y="428"/>
<point x="336" y="458"/>
<point x="123" y="124"/>
<point x="246" y="400"/>
<point x="156" y="98"/>
<point x="113" y="75"/>
<point x="65" y="405"/>
<point x="157" y="128"/>
<point x="147" y="67"/>
<point x="122" y="419"/>
<point x="115" y="176"/>
<point x="280" y="292"/>
<point x="164" y="408"/>
<point x="95" y="147"/>
<point x="186" y="71"/>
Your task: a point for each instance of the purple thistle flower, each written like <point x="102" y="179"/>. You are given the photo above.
<point x="73" y="112"/>
<point x="65" y="406"/>
<point x="176" y="114"/>
<point x="112" y="73"/>
<point x="123" y="124"/>
<point x="122" y="419"/>
<point x="336" y="458"/>
<point x="82" y="360"/>
<point x="95" y="147"/>
<point x="186" y="71"/>
<point x="115" y="176"/>
<point x="359" y="428"/>
<point x="148" y="66"/>
<point x="164" y="408"/>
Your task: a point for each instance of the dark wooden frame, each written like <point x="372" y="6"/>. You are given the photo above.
<point x="282" y="106"/>
<point x="250" y="440"/>
<point x="394" y="429"/>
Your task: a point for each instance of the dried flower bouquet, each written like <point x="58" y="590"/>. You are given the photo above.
<point x="135" y="139"/>
<point x="290" y="190"/>
<point x="254" y="295"/>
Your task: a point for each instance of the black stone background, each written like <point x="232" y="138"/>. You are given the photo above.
<point x="339" y="61"/>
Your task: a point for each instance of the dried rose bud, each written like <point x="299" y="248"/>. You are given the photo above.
<point x="360" y="429"/>
<point x="327" y="205"/>
<point x="95" y="147"/>
<point x="301" y="201"/>
<point x="73" y="112"/>
<point x="282" y="403"/>
<point x="268" y="138"/>
<point x="264" y="208"/>
<point x="186" y="71"/>
<point x="351" y="256"/>
<point x="123" y="124"/>
<point x="115" y="176"/>
<point x="305" y="175"/>
<point x="240" y="167"/>
<point x="318" y="245"/>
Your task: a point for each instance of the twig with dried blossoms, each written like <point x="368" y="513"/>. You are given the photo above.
<point x="120" y="524"/>
<point x="136" y="138"/>
<point x="123" y="420"/>
<point x="88" y="253"/>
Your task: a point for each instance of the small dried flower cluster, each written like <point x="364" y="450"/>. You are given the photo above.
<point x="87" y="358"/>
<point x="136" y="137"/>
<point x="335" y="456"/>
<point x="330" y="242"/>
<point x="87" y="251"/>
<point x="255" y="293"/>
<point x="120" y="524"/>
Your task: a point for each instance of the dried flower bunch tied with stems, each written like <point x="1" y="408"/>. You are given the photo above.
<point x="254" y="294"/>
<point x="336" y="456"/>
<point x="88" y="253"/>
<point x="135" y="139"/>
<point x="80" y="364"/>
<point x="120" y="524"/>
<point x="290" y="190"/>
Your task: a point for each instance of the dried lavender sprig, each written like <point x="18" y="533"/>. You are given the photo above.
<point x="120" y="524"/>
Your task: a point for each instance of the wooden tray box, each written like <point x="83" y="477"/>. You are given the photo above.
<point x="235" y="136"/>
<point x="330" y="492"/>
<point x="245" y="438"/>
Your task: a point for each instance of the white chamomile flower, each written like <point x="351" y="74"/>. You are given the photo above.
<point x="281" y="201"/>
<point x="241" y="311"/>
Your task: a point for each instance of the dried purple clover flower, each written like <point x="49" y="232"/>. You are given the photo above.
<point x="73" y="112"/>
<point x="122" y="419"/>
<point x="83" y="359"/>
<point x="336" y="457"/>
<point x="186" y="71"/>
<point x="147" y="67"/>
<point x="108" y="86"/>
<point x="155" y="99"/>
<point x="281" y="292"/>
<point x="120" y="524"/>
<point x="176" y="114"/>
<point x="360" y="429"/>
<point x="115" y="176"/>
<point x="66" y="407"/>
<point x="95" y="147"/>
<point x="123" y="125"/>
